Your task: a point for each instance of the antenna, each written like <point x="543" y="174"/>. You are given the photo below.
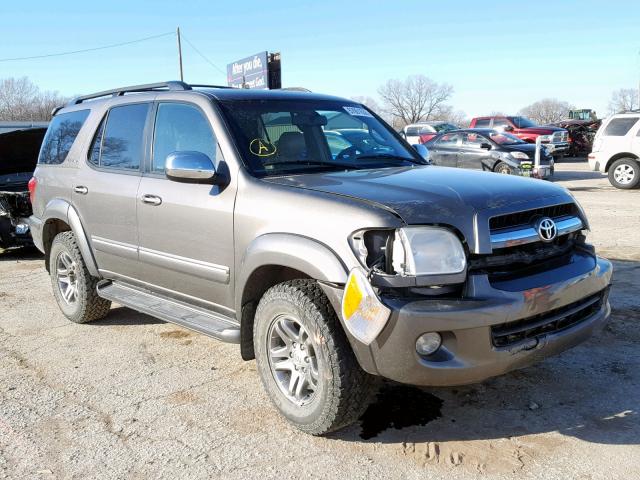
<point x="180" y="54"/>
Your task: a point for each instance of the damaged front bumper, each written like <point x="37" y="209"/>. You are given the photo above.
<point x="15" y="209"/>
<point x="496" y="327"/>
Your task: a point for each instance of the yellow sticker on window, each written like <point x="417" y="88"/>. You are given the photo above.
<point x="260" y="148"/>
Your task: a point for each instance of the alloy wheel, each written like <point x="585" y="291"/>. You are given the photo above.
<point x="66" y="273"/>
<point x="624" y="174"/>
<point x="293" y="360"/>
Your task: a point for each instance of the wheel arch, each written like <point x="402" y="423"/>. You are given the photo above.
<point x="60" y="216"/>
<point x="275" y="258"/>
<point x="619" y="156"/>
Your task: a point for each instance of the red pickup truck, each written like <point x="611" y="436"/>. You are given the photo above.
<point x="554" y="138"/>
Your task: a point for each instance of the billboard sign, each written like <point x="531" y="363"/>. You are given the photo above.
<point x="250" y="72"/>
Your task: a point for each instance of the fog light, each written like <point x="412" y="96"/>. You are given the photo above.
<point x="428" y="343"/>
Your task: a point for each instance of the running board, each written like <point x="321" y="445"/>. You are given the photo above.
<point x="206" y="322"/>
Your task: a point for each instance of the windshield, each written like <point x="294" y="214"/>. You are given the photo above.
<point x="277" y="137"/>
<point x="502" y="138"/>
<point x="522" y="122"/>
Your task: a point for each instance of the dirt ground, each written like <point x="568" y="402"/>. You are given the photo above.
<point x="134" y="397"/>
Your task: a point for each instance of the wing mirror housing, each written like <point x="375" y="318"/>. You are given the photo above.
<point x="507" y="128"/>
<point x="423" y="152"/>
<point x="189" y="167"/>
<point x="485" y="146"/>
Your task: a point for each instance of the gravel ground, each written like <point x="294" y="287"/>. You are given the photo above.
<point x="134" y="397"/>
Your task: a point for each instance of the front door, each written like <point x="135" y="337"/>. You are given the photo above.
<point x="445" y="151"/>
<point x="105" y="193"/>
<point x="185" y="230"/>
<point x="471" y="152"/>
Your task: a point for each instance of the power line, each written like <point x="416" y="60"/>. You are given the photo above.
<point x="89" y="49"/>
<point x="202" y="55"/>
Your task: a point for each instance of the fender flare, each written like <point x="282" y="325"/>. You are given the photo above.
<point x="301" y="253"/>
<point x="62" y="210"/>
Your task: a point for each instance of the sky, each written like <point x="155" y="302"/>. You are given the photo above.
<point x="498" y="56"/>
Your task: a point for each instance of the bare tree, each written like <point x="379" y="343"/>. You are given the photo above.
<point x="547" y="110"/>
<point x="446" y="113"/>
<point x="624" y="100"/>
<point x="21" y="99"/>
<point x="414" y="99"/>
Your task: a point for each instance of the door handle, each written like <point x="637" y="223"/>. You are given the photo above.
<point x="82" y="190"/>
<point x="151" y="199"/>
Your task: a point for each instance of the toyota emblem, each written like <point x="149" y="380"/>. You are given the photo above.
<point x="547" y="229"/>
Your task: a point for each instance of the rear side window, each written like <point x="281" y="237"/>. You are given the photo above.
<point x="60" y="136"/>
<point x="119" y="142"/>
<point x="179" y="128"/>
<point x="619" y="127"/>
<point x="482" y="122"/>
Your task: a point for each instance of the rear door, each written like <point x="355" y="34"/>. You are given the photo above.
<point x="186" y="233"/>
<point x="104" y="192"/>
<point x="445" y="150"/>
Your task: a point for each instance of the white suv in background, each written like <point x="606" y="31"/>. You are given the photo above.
<point x="616" y="149"/>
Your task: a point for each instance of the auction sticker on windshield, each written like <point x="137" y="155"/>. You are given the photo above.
<point x="357" y="112"/>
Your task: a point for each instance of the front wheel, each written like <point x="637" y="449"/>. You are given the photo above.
<point x="625" y="173"/>
<point x="504" y="168"/>
<point x="73" y="286"/>
<point x="304" y="359"/>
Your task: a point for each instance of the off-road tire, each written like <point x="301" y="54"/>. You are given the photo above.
<point x="629" y="162"/>
<point x="88" y="305"/>
<point x="345" y="390"/>
<point x="503" y="168"/>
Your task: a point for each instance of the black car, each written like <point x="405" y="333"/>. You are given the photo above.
<point x="487" y="149"/>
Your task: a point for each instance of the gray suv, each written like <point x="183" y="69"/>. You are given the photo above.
<point x="304" y="229"/>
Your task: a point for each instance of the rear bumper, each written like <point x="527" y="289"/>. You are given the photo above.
<point x="469" y="353"/>
<point x="35" y="225"/>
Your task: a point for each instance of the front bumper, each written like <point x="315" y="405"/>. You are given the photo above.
<point x="557" y="148"/>
<point x="468" y="353"/>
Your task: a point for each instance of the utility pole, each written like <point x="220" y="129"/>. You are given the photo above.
<point x="180" y="54"/>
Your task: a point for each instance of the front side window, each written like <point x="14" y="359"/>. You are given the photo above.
<point x="500" y="123"/>
<point x="449" y="140"/>
<point x="278" y="137"/>
<point x="619" y="127"/>
<point x="119" y="143"/>
<point x="473" y="140"/>
<point x="482" y="123"/>
<point x="179" y="128"/>
<point x="62" y="132"/>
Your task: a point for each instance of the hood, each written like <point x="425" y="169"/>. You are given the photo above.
<point x="540" y="130"/>
<point x="429" y="194"/>
<point x="528" y="148"/>
<point x="19" y="150"/>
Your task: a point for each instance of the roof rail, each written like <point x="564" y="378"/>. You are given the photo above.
<point x="149" y="87"/>
<point x="296" y="89"/>
<point x="203" y="85"/>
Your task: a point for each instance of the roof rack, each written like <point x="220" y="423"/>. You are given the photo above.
<point x="203" y="85"/>
<point x="149" y="87"/>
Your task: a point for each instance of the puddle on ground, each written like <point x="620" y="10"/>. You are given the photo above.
<point x="399" y="406"/>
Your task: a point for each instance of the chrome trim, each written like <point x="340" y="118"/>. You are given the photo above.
<point x="521" y="236"/>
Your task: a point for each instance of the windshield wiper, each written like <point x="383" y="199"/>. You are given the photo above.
<point x="388" y="156"/>
<point x="303" y="163"/>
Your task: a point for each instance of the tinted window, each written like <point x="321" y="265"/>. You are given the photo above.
<point x="122" y="138"/>
<point x="482" y="122"/>
<point x="619" y="127"/>
<point x="180" y="128"/>
<point x="94" y="151"/>
<point x="500" y="122"/>
<point x="522" y="122"/>
<point x="473" y="140"/>
<point x="61" y="134"/>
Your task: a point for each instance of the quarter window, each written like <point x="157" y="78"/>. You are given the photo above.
<point x="119" y="144"/>
<point x="180" y="128"/>
<point x="62" y="132"/>
<point x="619" y="127"/>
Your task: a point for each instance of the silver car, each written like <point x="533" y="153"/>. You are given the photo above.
<point x="303" y="228"/>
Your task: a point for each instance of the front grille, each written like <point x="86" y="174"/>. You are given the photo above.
<point x="519" y="219"/>
<point x="512" y="333"/>
<point x="559" y="137"/>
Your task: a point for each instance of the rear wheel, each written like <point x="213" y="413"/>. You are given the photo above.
<point x="625" y="173"/>
<point x="304" y="359"/>
<point x="73" y="286"/>
<point x="504" y="168"/>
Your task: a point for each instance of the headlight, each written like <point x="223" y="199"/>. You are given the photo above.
<point x="427" y="251"/>
<point x="519" y="155"/>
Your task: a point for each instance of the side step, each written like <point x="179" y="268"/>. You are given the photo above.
<point x="210" y="323"/>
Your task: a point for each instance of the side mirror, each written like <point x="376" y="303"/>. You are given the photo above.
<point x="486" y="146"/>
<point x="507" y="128"/>
<point x="189" y="167"/>
<point x="423" y="152"/>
